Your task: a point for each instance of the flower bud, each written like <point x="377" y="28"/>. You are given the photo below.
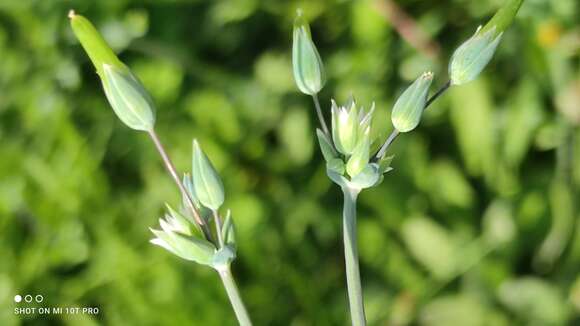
<point x="176" y="237"/>
<point x="345" y="127"/>
<point x="410" y="105"/>
<point x="125" y="93"/>
<point x="306" y="62"/>
<point x="206" y="181"/>
<point x="472" y="56"/>
<point x="128" y="98"/>
<point x="360" y="156"/>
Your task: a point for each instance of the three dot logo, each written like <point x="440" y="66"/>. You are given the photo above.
<point x="28" y="298"/>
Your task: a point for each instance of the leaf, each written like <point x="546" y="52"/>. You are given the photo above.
<point x="429" y="243"/>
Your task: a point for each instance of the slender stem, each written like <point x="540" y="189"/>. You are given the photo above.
<point x="235" y="298"/>
<point x="218" y="227"/>
<point x="320" y="116"/>
<point x="396" y="133"/>
<point x="355" y="296"/>
<point x="173" y="172"/>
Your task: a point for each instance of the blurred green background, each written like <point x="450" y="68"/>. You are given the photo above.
<point x="477" y="224"/>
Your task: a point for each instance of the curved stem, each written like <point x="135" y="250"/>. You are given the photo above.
<point x="320" y="116"/>
<point x="235" y="298"/>
<point x="355" y="296"/>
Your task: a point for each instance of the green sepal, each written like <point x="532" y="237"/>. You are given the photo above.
<point x="223" y="258"/>
<point x="206" y="181"/>
<point x="189" y="248"/>
<point x="469" y="60"/>
<point x="360" y="156"/>
<point x="368" y="177"/>
<point x="385" y="164"/>
<point x="128" y="98"/>
<point x="229" y="230"/>
<point x="336" y="165"/>
<point x="325" y="146"/>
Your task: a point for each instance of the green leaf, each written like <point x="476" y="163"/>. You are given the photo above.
<point x="429" y="243"/>
<point x="534" y="300"/>
<point x="206" y="181"/>
<point x="128" y="98"/>
<point x="409" y="106"/>
<point x="91" y="40"/>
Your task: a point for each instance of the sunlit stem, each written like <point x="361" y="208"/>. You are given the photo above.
<point x="234" y="296"/>
<point x="355" y="295"/>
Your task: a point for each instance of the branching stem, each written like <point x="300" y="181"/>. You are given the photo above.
<point x="173" y="172"/>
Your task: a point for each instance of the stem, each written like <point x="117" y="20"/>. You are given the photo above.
<point x="173" y="172"/>
<point x="396" y="133"/>
<point x="320" y="116"/>
<point x="218" y="227"/>
<point x="235" y="298"/>
<point x="355" y="296"/>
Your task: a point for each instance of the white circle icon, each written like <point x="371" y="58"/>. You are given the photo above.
<point x="28" y="298"/>
<point x="39" y="298"/>
<point x="17" y="298"/>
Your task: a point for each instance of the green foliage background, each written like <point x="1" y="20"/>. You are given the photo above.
<point x="477" y="224"/>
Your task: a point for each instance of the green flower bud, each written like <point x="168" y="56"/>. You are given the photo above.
<point x="125" y="93"/>
<point x="472" y="56"/>
<point x="306" y="62"/>
<point x="99" y="52"/>
<point x="410" y="105"/>
<point x="360" y="157"/>
<point x="344" y="127"/>
<point x="176" y="237"/>
<point x="128" y="98"/>
<point x="206" y="181"/>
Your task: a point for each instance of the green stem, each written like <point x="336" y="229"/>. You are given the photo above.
<point x="355" y="296"/>
<point x="235" y="298"/>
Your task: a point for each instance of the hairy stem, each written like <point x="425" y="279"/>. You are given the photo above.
<point x="355" y="296"/>
<point x="320" y="116"/>
<point x="235" y="298"/>
<point x="173" y="172"/>
<point x="396" y="133"/>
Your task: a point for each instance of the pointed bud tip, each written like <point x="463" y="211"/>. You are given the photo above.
<point x="71" y="14"/>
